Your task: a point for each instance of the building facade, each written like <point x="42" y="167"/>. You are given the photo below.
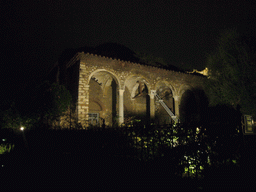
<point x="114" y="92"/>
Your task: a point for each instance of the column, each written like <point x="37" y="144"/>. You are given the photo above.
<point x="177" y="105"/>
<point x="152" y="104"/>
<point x="121" y="106"/>
<point x="83" y="104"/>
<point x="87" y="99"/>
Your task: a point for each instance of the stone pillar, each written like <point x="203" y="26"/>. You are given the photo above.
<point x="87" y="100"/>
<point x="152" y="104"/>
<point x="177" y="105"/>
<point x="83" y="103"/>
<point x="121" y="106"/>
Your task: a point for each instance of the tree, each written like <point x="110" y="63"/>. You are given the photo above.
<point x="35" y="106"/>
<point x="232" y="77"/>
<point x="52" y="99"/>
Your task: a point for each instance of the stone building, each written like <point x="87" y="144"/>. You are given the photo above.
<point x="117" y="91"/>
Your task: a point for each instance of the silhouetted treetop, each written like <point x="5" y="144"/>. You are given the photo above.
<point x="232" y="70"/>
<point x="118" y="51"/>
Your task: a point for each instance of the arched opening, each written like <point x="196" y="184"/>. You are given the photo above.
<point x="188" y="108"/>
<point x="103" y="98"/>
<point x="165" y="93"/>
<point x="136" y="99"/>
<point x="202" y="104"/>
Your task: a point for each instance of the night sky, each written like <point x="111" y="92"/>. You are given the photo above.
<point x="35" y="32"/>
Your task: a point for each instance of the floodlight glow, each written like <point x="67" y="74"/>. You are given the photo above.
<point x="197" y="130"/>
<point x="22" y="128"/>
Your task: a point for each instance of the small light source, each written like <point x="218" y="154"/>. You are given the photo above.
<point x="22" y="128"/>
<point x="197" y="130"/>
<point x="3" y="139"/>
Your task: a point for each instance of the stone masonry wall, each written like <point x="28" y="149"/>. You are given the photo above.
<point x="126" y="74"/>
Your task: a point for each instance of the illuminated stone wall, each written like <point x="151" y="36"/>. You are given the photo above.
<point x="115" y="89"/>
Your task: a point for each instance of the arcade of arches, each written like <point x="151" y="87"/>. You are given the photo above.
<point x="115" y="91"/>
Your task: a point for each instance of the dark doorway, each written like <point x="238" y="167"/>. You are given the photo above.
<point x="188" y="107"/>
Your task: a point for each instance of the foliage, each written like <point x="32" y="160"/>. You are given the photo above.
<point x="59" y="98"/>
<point x="10" y="118"/>
<point x="180" y="150"/>
<point x="6" y="148"/>
<point x="232" y="77"/>
<point x="14" y="119"/>
<point x="34" y="106"/>
<point x="190" y="150"/>
<point x="6" y="142"/>
<point x="48" y="102"/>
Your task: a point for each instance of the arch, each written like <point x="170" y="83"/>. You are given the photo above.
<point x="182" y="89"/>
<point x="137" y="101"/>
<point x="188" y="107"/>
<point x="167" y="84"/>
<point x="104" y="70"/>
<point x="103" y="90"/>
<point x="131" y="80"/>
<point x="165" y="91"/>
<point x="99" y="103"/>
<point x="139" y="86"/>
<point x="193" y="104"/>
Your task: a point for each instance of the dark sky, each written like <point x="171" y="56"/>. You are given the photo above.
<point x="35" y="32"/>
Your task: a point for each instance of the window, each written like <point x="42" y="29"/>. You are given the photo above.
<point x="94" y="119"/>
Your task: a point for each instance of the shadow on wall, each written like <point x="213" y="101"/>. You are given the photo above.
<point x="193" y="106"/>
<point x="195" y="110"/>
<point x="114" y="103"/>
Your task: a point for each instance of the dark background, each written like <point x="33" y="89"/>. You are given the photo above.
<point x="34" y="33"/>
